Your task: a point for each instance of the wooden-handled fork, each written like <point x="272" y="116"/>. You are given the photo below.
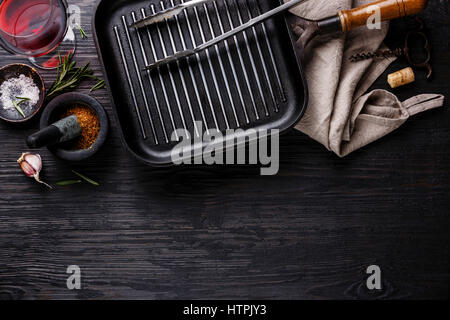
<point x="344" y="21"/>
<point x="347" y="20"/>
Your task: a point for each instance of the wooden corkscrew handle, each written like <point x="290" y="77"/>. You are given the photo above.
<point x="385" y="9"/>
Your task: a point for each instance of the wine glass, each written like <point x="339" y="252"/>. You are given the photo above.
<point x="37" y="29"/>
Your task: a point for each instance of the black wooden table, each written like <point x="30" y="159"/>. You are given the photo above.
<point x="203" y="232"/>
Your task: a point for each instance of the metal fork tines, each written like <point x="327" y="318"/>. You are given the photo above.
<point x="167" y="13"/>
<point x="234" y="31"/>
<point x="130" y="83"/>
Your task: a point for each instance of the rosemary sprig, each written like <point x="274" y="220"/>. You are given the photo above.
<point x="17" y="104"/>
<point x="83" y="34"/>
<point x="68" y="76"/>
<point x="19" y="109"/>
<point x="67" y="183"/>
<point x="86" y="178"/>
<point x="22" y="99"/>
<point x="99" y="85"/>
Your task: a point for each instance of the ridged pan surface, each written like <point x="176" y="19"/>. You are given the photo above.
<point x="252" y="81"/>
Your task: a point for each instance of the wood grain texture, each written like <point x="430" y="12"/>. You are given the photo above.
<point x="389" y="9"/>
<point x="225" y="232"/>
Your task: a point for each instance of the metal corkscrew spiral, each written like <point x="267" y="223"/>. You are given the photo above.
<point x="377" y="54"/>
<point x="406" y="51"/>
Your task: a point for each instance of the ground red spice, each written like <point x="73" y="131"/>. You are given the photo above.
<point x="89" y="123"/>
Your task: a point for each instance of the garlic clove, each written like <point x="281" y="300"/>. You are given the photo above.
<point x="35" y="161"/>
<point x="31" y="165"/>
<point x="27" y="169"/>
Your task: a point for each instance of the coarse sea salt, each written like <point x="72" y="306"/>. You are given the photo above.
<point x="12" y="89"/>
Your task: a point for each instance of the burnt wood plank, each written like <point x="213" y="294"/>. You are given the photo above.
<point x="207" y="232"/>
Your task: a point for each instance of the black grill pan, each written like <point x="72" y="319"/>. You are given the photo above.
<point x="258" y="83"/>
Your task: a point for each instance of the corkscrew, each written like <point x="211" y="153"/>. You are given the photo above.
<point x="405" y="51"/>
<point x="377" y="54"/>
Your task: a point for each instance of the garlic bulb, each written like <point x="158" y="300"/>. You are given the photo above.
<point x="31" y="165"/>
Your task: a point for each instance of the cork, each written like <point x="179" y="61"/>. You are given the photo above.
<point x="401" y="78"/>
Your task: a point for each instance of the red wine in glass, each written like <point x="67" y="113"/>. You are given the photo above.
<point x="32" y="28"/>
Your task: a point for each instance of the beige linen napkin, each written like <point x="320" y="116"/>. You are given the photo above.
<point x="340" y="115"/>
